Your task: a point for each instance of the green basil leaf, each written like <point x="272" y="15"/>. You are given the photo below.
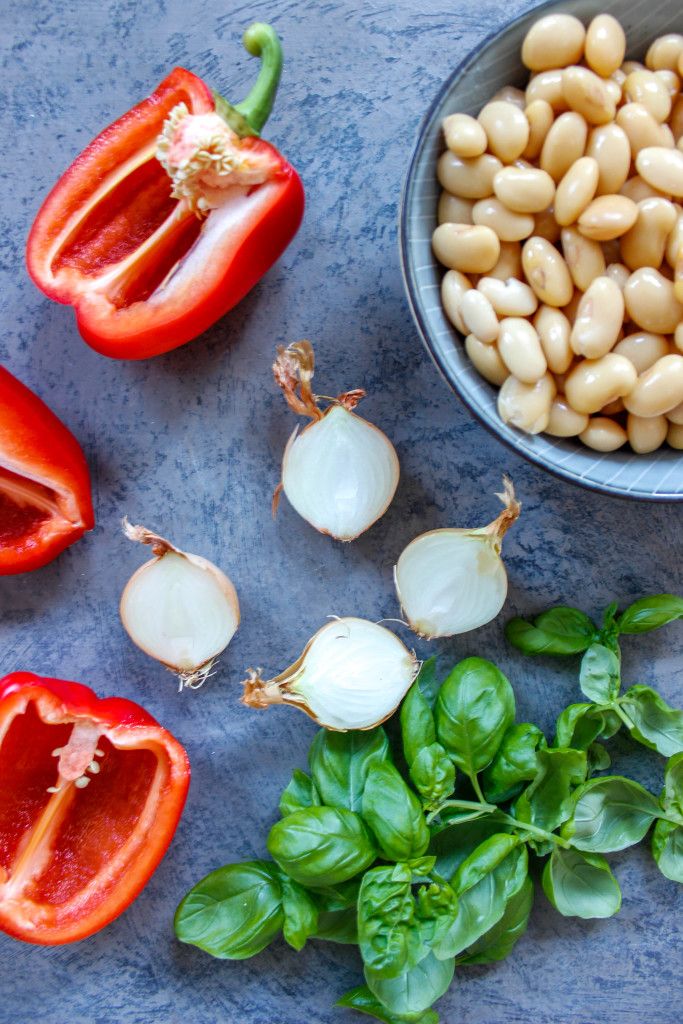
<point x="558" y="631"/>
<point x="300" y="913"/>
<point x="433" y="774"/>
<point x="416" y="990"/>
<point x="321" y="846"/>
<point x="515" y="762"/>
<point x="600" y="674"/>
<point x="650" y="613"/>
<point x="364" y="1001"/>
<point x="655" y="724"/>
<point x="338" y="926"/>
<point x="417" y="724"/>
<point x="578" y="726"/>
<point x="337" y="897"/>
<point x="395" y="931"/>
<point x="667" y="849"/>
<point x="234" y="912"/>
<point x="484" y="883"/>
<point x="340" y="762"/>
<point x="394" y="814"/>
<point x="498" y="941"/>
<point x="301" y="792"/>
<point x="609" y="616"/>
<point x="598" y="760"/>
<point x="454" y="841"/>
<point x="427" y="682"/>
<point x="547" y="801"/>
<point x="474" y="709"/>
<point x="610" y="813"/>
<point x="672" y="797"/>
<point x="581" y="884"/>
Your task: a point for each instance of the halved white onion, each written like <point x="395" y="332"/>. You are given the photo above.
<point x="450" y="581"/>
<point x="352" y="674"/>
<point x="179" y="608"/>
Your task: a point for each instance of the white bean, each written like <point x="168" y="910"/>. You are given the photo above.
<point x="520" y="349"/>
<point x="526" y="406"/>
<point x="479" y="316"/>
<point x="510" y="297"/>
<point x="599" y="319"/>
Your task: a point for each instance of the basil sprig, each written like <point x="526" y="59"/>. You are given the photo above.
<point x="420" y="855"/>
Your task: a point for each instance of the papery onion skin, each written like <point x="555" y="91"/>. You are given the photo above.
<point x="352" y="674"/>
<point x="473" y="593"/>
<point x="340" y="473"/>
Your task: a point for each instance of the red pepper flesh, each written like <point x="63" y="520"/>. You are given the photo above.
<point x="143" y="273"/>
<point x="74" y="854"/>
<point x="45" y="500"/>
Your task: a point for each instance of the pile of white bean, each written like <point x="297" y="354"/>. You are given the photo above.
<point x="561" y="224"/>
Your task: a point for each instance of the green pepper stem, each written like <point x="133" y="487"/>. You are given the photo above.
<point x="261" y="40"/>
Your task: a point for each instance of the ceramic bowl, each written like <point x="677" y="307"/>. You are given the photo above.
<point x="656" y="476"/>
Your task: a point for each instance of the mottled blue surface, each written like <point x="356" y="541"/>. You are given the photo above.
<point x="189" y="444"/>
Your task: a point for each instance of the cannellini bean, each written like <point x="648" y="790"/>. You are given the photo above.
<point x="507" y="129"/>
<point x="526" y="406"/>
<point x="553" y="330"/>
<point x="594" y="383"/>
<point x="540" y="116"/>
<point x="509" y="298"/>
<point x="603" y="434"/>
<point x="545" y="225"/>
<point x="583" y="256"/>
<point x="546" y="272"/>
<point x="553" y="42"/>
<point x="674" y="436"/>
<point x="586" y="93"/>
<point x="665" y="52"/>
<point x="619" y="273"/>
<point x="563" y="420"/>
<point x="570" y="308"/>
<point x="675" y="239"/>
<point x="675" y="415"/>
<point x="651" y="301"/>
<point x="605" y="45"/>
<point x="608" y="217"/>
<point x="644" y="244"/>
<point x="547" y="85"/>
<point x="486" y="360"/>
<point x="454" y="210"/>
<point x="564" y="144"/>
<point x="646" y="434"/>
<point x="644" y="87"/>
<point x="599" y="319"/>
<point x="662" y="168"/>
<point x="631" y="65"/>
<point x="464" y="135"/>
<point x="658" y="389"/>
<point x="508" y="225"/>
<point x="509" y="262"/>
<point x="609" y="145"/>
<point x="520" y="349"/>
<point x="510" y="94"/>
<point x="453" y="289"/>
<point x="524" y="190"/>
<point x="643" y="348"/>
<point x="640" y="126"/>
<point x="672" y="83"/>
<point x="479" y="317"/>
<point x="576" y="190"/>
<point x="637" y="189"/>
<point x="471" y="249"/>
<point x="676" y="119"/>
<point x="469" y="178"/>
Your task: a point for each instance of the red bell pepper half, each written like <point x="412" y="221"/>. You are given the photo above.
<point x="45" y="501"/>
<point x="91" y="792"/>
<point x="169" y="217"/>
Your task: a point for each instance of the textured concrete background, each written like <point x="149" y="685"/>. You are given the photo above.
<point x="190" y="443"/>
